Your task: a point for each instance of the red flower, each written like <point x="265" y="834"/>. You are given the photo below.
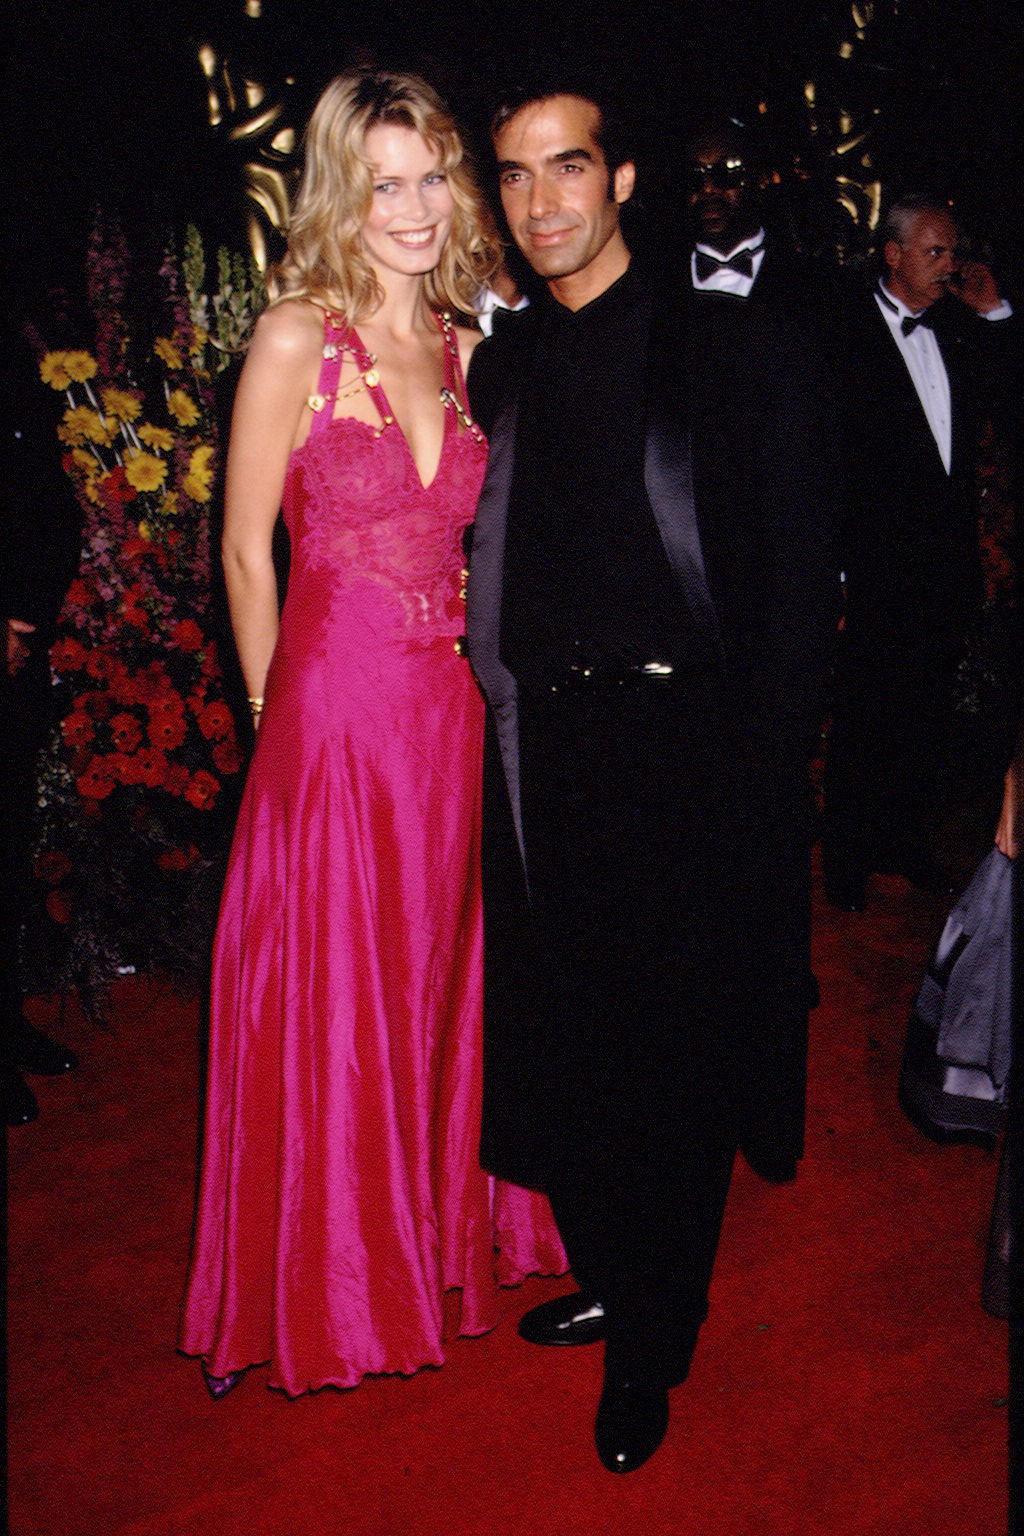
<point x="202" y="790"/>
<point x="67" y="654"/>
<point x="58" y="904"/>
<point x="187" y="635"/>
<point x="126" y="732"/>
<point x="78" y="595"/>
<point x="133" y="614"/>
<point x="174" y="860"/>
<point x="226" y="756"/>
<point x="123" y="687"/>
<point x="114" y="490"/>
<point x="151" y="767"/>
<point x="52" y="866"/>
<point x="167" y="728"/>
<point x="125" y="768"/>
<point x="177" y="779"/>
<point x="97" y="781"/>
<point x="210" y="664"/>
<point x="98" y="703"/>
<point x="100" y="664"/>
<point x="151" y="685"/>
<point x="77" y="729"/>
<point x="215" y="720"/>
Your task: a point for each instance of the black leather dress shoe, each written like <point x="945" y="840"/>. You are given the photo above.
<point x="632" y="1418"/>
<point x="20" y="1104"/>
<point x="37" y="1054"/>
<point x="572" y="1319"/>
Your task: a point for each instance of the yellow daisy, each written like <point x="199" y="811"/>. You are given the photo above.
<point x="184" y="410"/>
<point x="80" y="366"/>
<point x="82" y="424"/>
<point x="167" y="351"/>
<point x="201" y="463"/>
<point x="195" y="487"/>
<point x="144" y="470"/>
<point x="156" y="437"/>
<point x="169" y="505"/>
<point x="119" y="403"/>
<point x="199" y="479"/>
<point x="53" y="370"/>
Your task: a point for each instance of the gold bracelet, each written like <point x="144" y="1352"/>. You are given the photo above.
<point x="255" y="708"/>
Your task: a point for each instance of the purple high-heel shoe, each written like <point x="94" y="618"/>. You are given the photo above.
<point x="220" y="1386"/>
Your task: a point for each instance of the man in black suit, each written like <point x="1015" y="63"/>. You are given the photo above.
<point x="918" y="364"/>
<point x="734" y="260"/>
<point x="746" y="288"/>
<point x="639" y="739"/>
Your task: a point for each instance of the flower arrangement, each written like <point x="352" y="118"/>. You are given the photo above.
<point x="136" y="787"/>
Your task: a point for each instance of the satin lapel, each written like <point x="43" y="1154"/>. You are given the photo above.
<point x="484" y="593"/>
<point x="668" y="476"/>
<point x="949" y="347"/>
<point x="487" y="565"/>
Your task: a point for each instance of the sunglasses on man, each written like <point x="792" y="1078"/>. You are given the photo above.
<point x="724" y="175"/>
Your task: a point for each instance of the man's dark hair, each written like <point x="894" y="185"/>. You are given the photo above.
<point x="615" y="134"/>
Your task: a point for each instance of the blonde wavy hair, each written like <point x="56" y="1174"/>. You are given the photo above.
<point x="324" y="260"/>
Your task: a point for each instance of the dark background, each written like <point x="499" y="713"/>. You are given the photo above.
<point x="106" y="102"/>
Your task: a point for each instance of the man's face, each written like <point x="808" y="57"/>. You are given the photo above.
<point x="920" y="267"/>
<point x="720" y="195"/>
<point x="561" y="210"/>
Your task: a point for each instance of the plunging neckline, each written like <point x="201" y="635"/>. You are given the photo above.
<point x="366" y="365"/>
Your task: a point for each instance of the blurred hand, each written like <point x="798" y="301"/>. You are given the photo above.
<point x="17" y="645"/>
<point x="974" y="284"/>
<point x="1007" y="832"/>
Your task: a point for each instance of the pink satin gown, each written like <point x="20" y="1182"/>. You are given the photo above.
<point x="341" y="1193"/>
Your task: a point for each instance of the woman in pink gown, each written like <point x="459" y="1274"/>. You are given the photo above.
<point x="341" y="1195"/>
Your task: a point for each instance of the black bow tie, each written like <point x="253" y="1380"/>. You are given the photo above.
<point x="909" y="323"/>
<point x="706" y="265"/>
<point x="501" y="316"/>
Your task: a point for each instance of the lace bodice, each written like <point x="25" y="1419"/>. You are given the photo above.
<point x="355" y="506"/>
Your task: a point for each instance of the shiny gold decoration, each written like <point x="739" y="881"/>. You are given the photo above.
<point x="255" y="122"/>
<point x="843" y="122"/>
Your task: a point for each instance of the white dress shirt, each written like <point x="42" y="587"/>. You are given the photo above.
<point x="920" y="352"/>
<point x="725" y="280"/>
<point x="487" y="301"/>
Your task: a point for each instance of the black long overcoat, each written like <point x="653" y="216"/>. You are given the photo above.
<point x="767" y="621"/>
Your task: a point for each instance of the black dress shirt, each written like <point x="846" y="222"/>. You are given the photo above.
<point x="587" y="579"/>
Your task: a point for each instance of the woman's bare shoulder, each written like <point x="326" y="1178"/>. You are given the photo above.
<point x="468" y="341"/>
<point x="290" y="332"/>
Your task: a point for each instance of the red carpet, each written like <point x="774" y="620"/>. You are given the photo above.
<point x="847" y="1382"/>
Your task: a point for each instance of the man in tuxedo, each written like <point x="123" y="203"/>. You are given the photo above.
<point x="918" y="365"/>
<point x="637" y="742"/>
<point x="734" y="261"/>
<point x="744" y="287"/>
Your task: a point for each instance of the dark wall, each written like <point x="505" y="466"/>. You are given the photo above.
<point x="106" y="103"/>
